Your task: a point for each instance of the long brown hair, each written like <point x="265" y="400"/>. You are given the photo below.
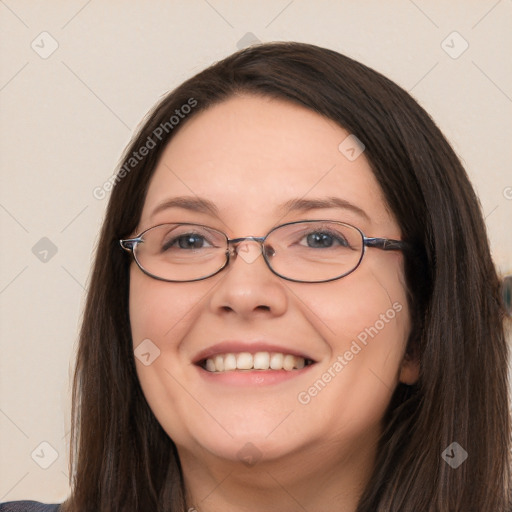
<point x="121" y="458"/>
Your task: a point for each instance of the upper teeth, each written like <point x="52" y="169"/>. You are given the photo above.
<point x="257" y="361"/>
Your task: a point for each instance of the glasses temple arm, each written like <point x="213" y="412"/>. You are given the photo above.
<point x="386" y="244"/>
<point x="129" y="244"/>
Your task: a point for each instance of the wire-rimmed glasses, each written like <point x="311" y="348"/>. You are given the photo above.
<point x="308" y="251"/>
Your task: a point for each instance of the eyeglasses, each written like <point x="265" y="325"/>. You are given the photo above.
<point x="309" y="251"/>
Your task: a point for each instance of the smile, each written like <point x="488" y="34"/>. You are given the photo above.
<point x="230" y="362"/>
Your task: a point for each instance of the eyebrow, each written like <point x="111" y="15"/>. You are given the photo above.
<point x="195" y="204"/>
<point x="201" y="205"/>
<point x="304" y="205"/>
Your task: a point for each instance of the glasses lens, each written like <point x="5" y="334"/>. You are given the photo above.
<point x="181" y="252"/>
<point x="314" y="251"/>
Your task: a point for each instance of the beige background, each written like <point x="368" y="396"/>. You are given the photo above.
<point x="66" y="119"/>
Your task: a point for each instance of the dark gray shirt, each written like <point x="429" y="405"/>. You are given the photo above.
<point x="27" y="506"/>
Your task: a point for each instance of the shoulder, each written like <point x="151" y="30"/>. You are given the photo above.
<point x="27" y="506"/>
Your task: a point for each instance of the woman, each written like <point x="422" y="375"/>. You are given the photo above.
<point x="293" y="306"/>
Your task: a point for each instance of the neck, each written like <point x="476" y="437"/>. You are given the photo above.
<point x="311" y="479"/>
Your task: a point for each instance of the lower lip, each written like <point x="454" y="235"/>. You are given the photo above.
<point x="252" y="377"/>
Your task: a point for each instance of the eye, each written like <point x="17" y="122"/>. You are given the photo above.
<point x="186" y="241"/>
<point x="325" y="239"/>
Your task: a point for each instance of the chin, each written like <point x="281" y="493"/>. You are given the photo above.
<point x="249" y="450"/>
<point x="248" y="441"/>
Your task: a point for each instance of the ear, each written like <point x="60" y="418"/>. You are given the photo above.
<point x="410" y="369"/>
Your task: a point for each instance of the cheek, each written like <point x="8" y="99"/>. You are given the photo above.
<point x="160" y="315"/>
<point x="363" y="305"/>
<point x="161" y="310"/>
<point x="364" y="321"/>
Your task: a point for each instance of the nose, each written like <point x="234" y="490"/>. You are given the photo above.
<point x="247" y="286"/>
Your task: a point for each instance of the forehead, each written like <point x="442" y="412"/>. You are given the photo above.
<point x="249" y="155"/>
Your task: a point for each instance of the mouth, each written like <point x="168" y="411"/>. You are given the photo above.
<point x="257" y="361"/>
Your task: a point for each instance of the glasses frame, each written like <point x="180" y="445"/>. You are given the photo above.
<point x="385" y="244"/>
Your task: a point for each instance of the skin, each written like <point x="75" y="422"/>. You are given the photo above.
<point x="248" y="155"/>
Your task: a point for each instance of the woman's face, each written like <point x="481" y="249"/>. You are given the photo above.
<point x="248" y="159"/>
